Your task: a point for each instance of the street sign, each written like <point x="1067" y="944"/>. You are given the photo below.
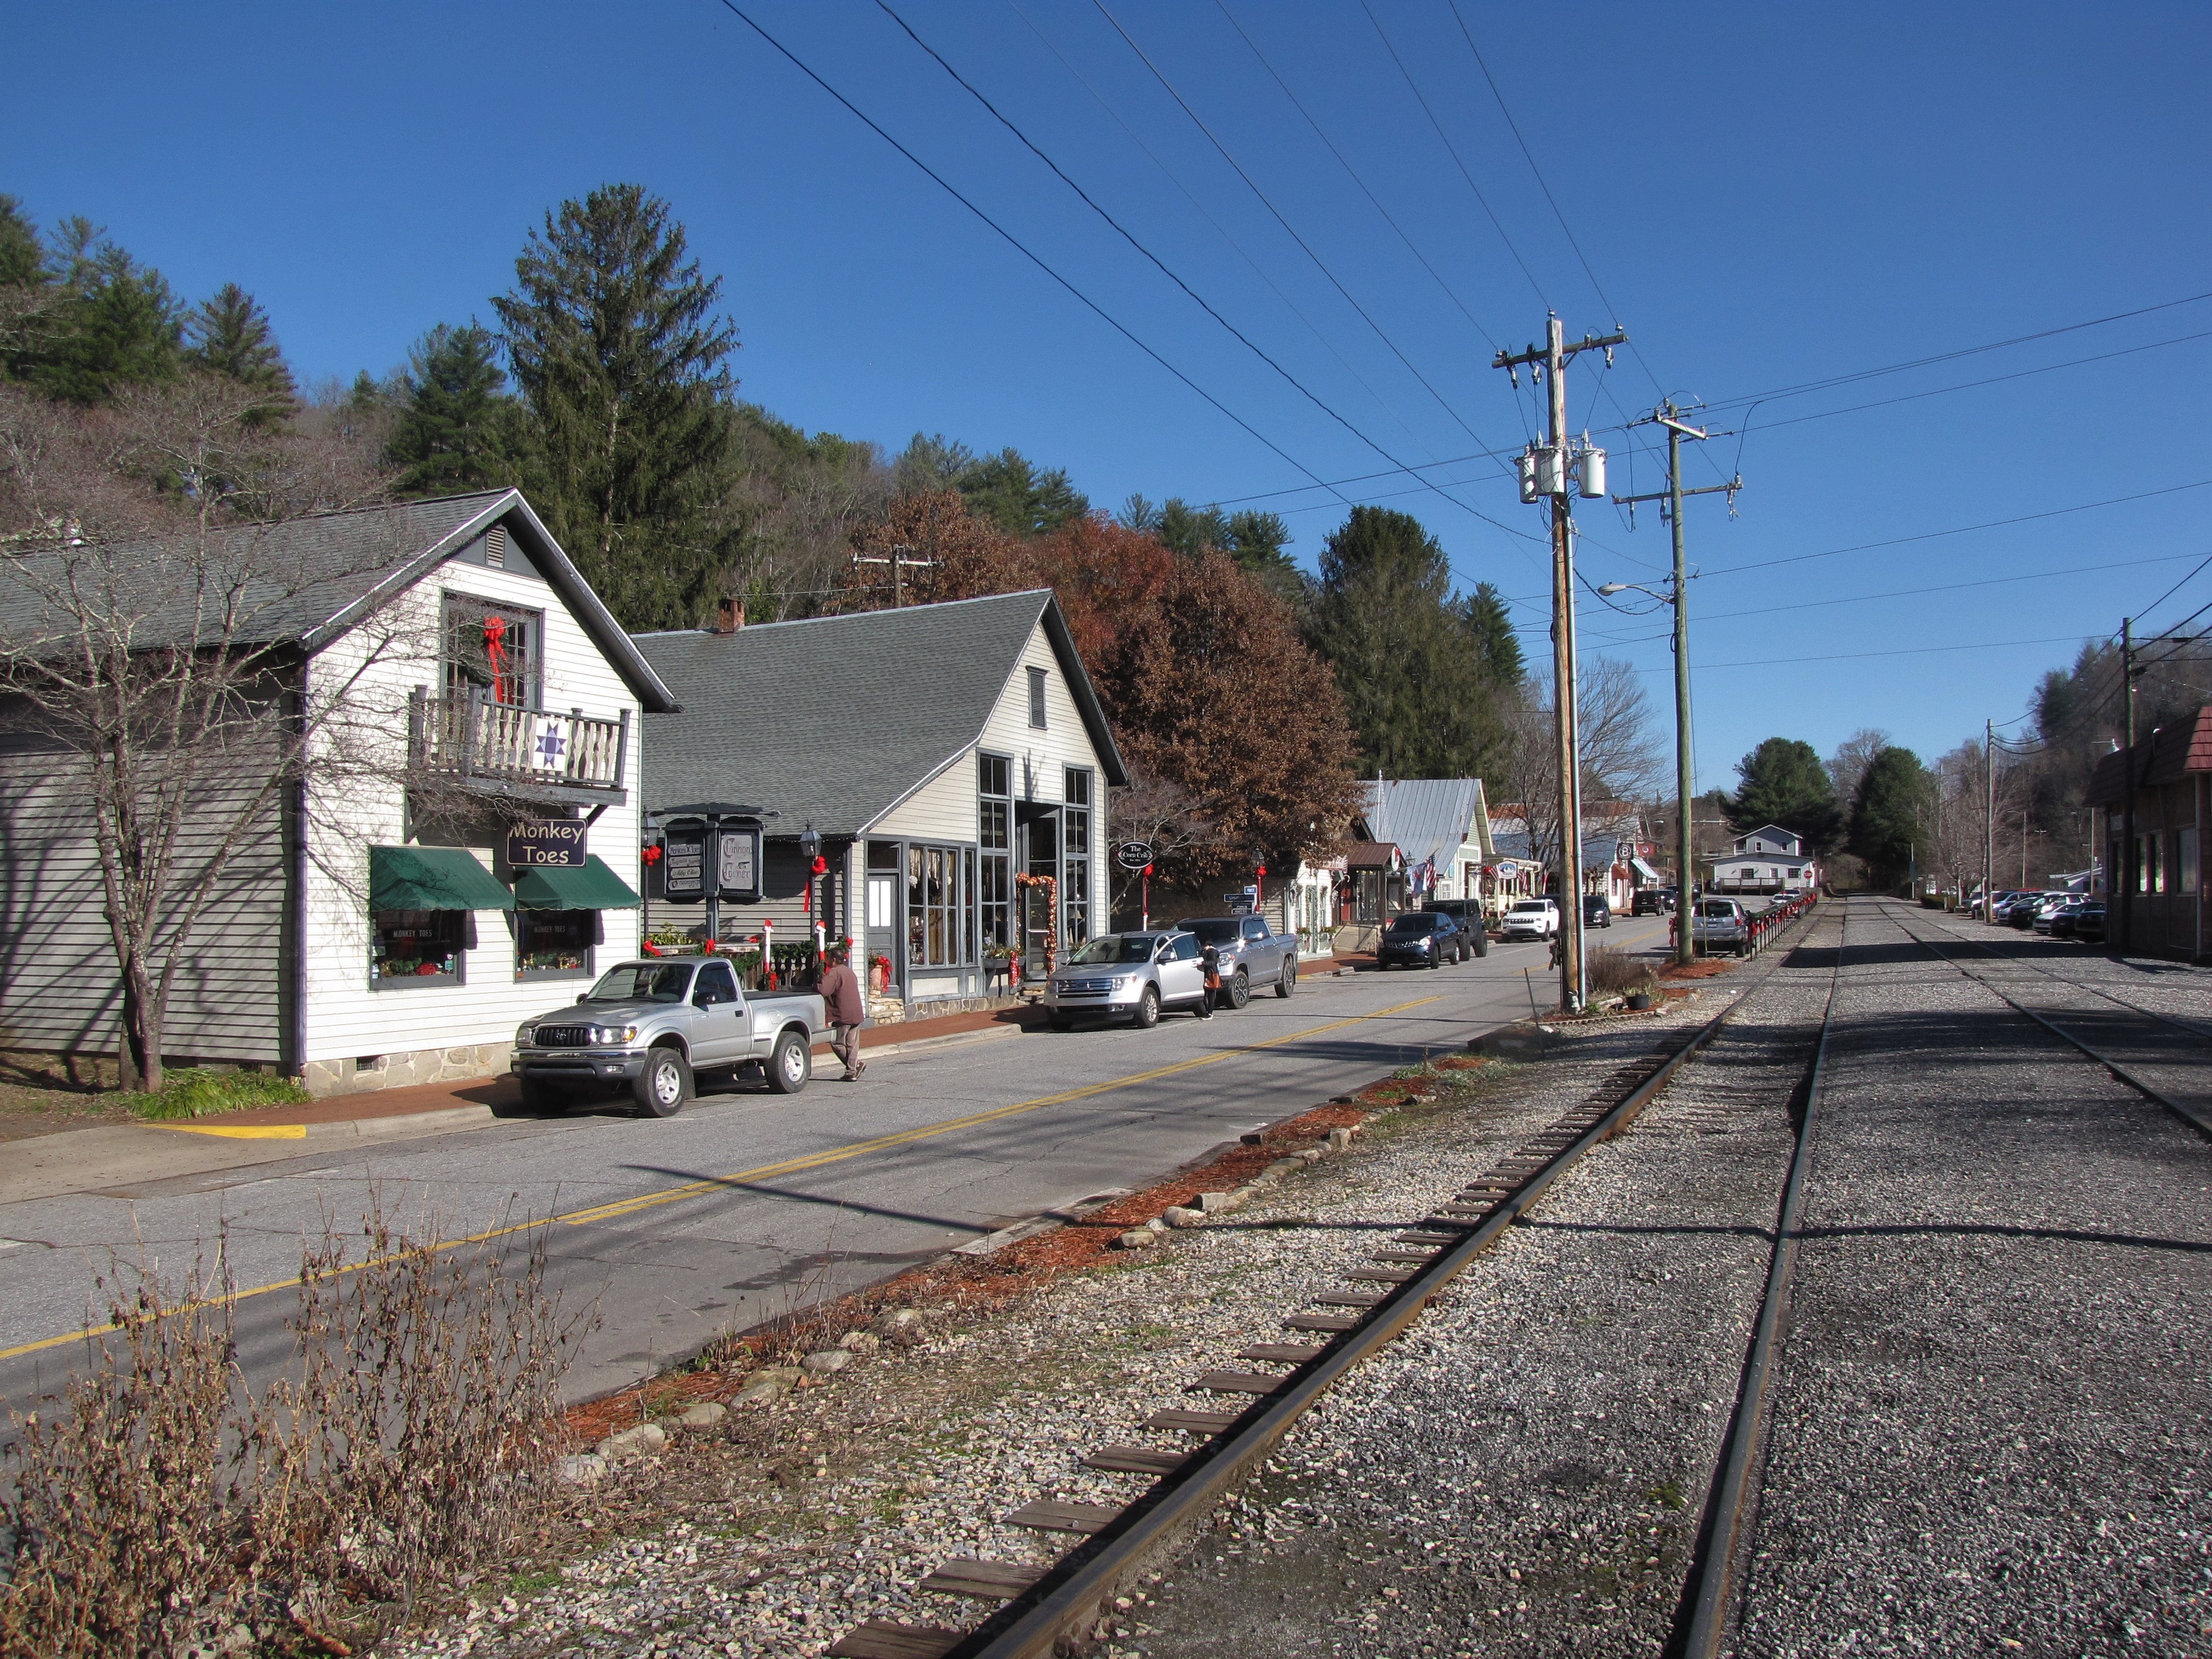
<point x="1135" y="854"/>
<point x="555" y="841"/>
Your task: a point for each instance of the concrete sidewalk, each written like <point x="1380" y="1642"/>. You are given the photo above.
<point x="122" y="1157"/>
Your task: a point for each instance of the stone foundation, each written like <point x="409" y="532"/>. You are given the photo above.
<point x="463" y="1064"/>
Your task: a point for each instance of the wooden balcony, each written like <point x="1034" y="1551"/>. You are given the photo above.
<point x="477" y="744"/>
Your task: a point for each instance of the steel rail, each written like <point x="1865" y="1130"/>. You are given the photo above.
<point x="2199" y="1121"/>
<point x="1055" y="1613"/>
<point x="1713" y="1572"/>
<point x="2190" y="1026"/>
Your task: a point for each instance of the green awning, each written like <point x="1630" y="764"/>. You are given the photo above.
<point x="432" y="878"/>
<point x="587" y="886"/>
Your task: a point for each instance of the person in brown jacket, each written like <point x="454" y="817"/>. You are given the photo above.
<point x="841" y="992"/>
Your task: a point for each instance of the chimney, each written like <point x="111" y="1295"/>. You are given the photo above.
<point x="729" y="615"/>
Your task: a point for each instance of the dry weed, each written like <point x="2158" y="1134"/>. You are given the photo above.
<point x="1614" y="972"/>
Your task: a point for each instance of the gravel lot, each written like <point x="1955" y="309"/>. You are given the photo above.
<point x="781" y="1529"/>
<point x="1524" y="1473"/>
<point x="1991" y="1415"/>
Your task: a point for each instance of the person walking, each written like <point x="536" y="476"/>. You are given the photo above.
<point x="1210" y="964"/>
<point x="840" y="993"/>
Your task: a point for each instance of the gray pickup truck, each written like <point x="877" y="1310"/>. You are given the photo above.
<point x="650" y="1026"/>
<point x="1252" y="958"/>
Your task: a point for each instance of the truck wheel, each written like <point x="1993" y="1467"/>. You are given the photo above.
<point x="1148" y="1009"/>
<point x="1240" y="988"/>
<point x="1289" y="982"/>
<point x="1482" y="943"/>
<point x="790" y="1063"/>
<point x="664" y="1086"/>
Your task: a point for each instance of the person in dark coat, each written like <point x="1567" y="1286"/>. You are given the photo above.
<point x="1209" y="964"/>
<point x="840" y="993"/>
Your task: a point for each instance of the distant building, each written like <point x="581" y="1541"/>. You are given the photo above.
<point x="1770" y="860"/>
<point x="2154" y="799"/>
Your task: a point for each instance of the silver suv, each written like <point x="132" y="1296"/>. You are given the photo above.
<point x="1131" y="976"/>
<point x="1250" y="955"/>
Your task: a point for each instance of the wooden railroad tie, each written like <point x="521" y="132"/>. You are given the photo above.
<point x="986" y="1580"/>
<point x="1282" y="1354"/>
<point x="1135" y="1460"/>
<point x="1350" y="1298"/>
<point x="1238" y="1383"/>
<point x="1051" y="1515"/>
<point x="1381" y="1275"/>
<point x="1333" y="1324"/>
<point x="880" y="1639"/>
<point x="1188" y="1422"/>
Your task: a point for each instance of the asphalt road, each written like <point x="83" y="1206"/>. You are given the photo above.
<point x="748" y="1205"/>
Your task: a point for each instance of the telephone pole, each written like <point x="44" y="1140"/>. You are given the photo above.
<point x="2127" y="859"/>
<point x="1989" y="820"/>
<point x="1552" y="469"/>
<point x="1668" y="416"/>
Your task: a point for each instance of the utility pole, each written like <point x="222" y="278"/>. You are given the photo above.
<point x="1668" y="416"/>
<point x="901" y="561"/>
<point x="2127" y="861"/>
<point x="1552" y="469"/>
<point x="1989" y="820"/>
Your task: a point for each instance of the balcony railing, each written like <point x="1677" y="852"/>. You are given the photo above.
<point x="472" y="739"/>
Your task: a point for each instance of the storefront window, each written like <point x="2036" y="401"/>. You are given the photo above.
<point x="554" y="943"/>
<point x="934" y="904"/>
<point x="418" y="947"/>
<point x="995" y="835"/>
<point x="1075" y="868"/>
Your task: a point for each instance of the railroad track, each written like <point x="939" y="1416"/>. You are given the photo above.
<point x="1046" y="1610"/>
<point x="2196" y="1116"/>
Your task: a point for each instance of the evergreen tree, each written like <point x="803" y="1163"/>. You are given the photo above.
<point x="929" y="464"/>
<point x="114" y="321"/>
<point x="22" y="259"/>
<point x="611" y="333"/>
<point x="26" y="289"/>
<point x="1008" y="490"/>
<point x="458" y="427"/>
<point x="1489" y="630"/>
<point x="1419" y="693"/>
<point x="230" y="335"/>
<point x="1783" y="782"/>
<point x="1886" y="817"/>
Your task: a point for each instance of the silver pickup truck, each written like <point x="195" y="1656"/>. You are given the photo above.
<point x="651" y="1025"/>
<point x="1252" y="958"/>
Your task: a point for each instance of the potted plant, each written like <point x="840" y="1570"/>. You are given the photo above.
<point x="879" y="974"/>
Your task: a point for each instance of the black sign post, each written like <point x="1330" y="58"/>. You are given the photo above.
<point x="710" y="858"/>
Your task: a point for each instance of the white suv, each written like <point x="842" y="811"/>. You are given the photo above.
<point x="1537" y="918"/>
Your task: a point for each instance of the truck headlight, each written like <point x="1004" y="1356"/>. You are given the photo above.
<point x="526" y="1035"/>
<point x="608" y="1034"/>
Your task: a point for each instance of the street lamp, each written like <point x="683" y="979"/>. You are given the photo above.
<point x="1685" y="849"/>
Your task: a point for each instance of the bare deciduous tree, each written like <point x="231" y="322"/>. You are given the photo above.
<point x="1620" y="757"/>
<point x="151" y="626"/>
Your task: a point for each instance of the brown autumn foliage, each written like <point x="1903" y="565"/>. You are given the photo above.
<point x="1234" y="732"/>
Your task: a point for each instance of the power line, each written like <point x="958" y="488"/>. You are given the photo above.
<point x="1020" y="246"/>
<point x="1950" y="587"/>
<point x="1961" y="530"/>
<point x="2172" y="591"/>
<point x="1128" y="236"/>
<point x="1854" y="656"/>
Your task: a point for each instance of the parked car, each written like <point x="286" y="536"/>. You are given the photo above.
<point x="1721" y="924"/>
<point x="2087" y="923"/>
<point x="2019" y="911"/>
<point x="2048" y="913"/>
<point x="1650" y="901"/>
<point x="2066" y="923"/>
<point x="1250" y="955"/>
<point x="1473" y="925"/>
<point x="1421" y="938"/>
<point x="652" y="1026"/>
<point x="1597" y="910"/>
<point x="1536" y="918"/>
<point x="1130" y="975"/>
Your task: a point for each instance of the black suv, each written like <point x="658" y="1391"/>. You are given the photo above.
<point x="1649" y="902"/>
<point x="1596" y="912"/>
<point x="1474" y="927"/>
<point x="1420" y="938"/>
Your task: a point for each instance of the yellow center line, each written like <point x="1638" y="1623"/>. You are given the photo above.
<point x="789" y="1166"/>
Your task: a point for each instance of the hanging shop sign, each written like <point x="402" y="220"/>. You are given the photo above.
<point x="738" y="864"/>
<point x="683" y="859"/>
<point x="543" y="842"/>
<point x="1135" y="854"/>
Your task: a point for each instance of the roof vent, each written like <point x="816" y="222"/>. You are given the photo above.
<point x="495" y="547"/>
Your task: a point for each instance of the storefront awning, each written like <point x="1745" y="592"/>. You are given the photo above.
<point x="1644" y="872"/>
<point x="590" y="885"/>
<point x="432" y="878"/>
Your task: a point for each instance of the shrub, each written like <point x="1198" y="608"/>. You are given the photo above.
<point x="157" y="1505"/>
<point x="192" y="1093"/>
<point x="1614" y="972"/>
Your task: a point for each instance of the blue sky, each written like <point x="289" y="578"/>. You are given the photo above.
<point x="1763" y="196"/>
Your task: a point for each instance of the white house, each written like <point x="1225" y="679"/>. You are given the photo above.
<point x="950" y="761"/>
<point x="461" y="852"/>
<point x="1770" y="860"/>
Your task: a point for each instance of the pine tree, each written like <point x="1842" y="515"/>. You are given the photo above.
<point x="230" y="335"/>
<point x="1783" y="782"/>
<point x="612" y="333"/>
<point x="1009" y="490"/>
<point x="1886" y="817"/>
<point x="1488" y="627"/>
<point x="458" y="427"/>
<point x="114" y="322"/>
<point x="1419" y="695"/>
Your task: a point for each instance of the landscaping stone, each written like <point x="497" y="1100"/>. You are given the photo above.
<point x="827" y="1361"/>
<point x="642" y="1441"/>
<point x="767" y="1383"/>
<point x="1138" y="1238"/>
<point x="580" y="1468"/>
<point x="704" y="1415"/>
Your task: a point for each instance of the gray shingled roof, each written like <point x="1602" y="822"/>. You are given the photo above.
<point x="835" y="720"/>
<point x="310" y="579"/>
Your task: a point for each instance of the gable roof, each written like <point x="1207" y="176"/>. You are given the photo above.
<point x="836" y="719"/>
<point x="308" y="581"/>
<point x="2167" y="756"/>
<point x="1790" y="838"/>
<point x="1431" y="818"/>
